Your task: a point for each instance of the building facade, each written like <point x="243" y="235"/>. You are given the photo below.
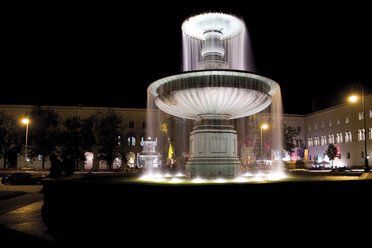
<point x="134" y="126"/>
<point x="341" y="125"/>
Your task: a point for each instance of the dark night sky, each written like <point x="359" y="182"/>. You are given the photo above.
<point x="107" y="55"/>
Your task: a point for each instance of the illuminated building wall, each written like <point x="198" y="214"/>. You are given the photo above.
<point x="341" y="125"/>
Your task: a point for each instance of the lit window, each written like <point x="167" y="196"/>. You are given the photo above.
<point x="323" y="140"/>
<point x="131" y="141"/>
<point x="310" y="142"/>
<point x="370" y="113"/>
<point x="370" y="133"/>
<point x="142" y="141"/>
<point x="348" y="137"/>
<point x="361" y="134"/>
<point x="316" y="141"/>
<point x="316" y="126"/>
<point x="331" y="139"/>
<point x="361" y="116"/>
<point x="330" y="123"/>
<point x="338" y="122"/>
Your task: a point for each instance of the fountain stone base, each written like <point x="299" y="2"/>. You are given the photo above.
<point x="213" y="149"/>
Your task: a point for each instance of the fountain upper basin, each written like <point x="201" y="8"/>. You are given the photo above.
<point x="216" y="92"/>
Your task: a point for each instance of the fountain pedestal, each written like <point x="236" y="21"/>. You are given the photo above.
<point x="213" y="148"/>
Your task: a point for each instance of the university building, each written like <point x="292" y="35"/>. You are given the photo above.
<point x="341" y="125"/>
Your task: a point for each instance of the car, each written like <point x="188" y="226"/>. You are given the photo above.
<point x="18" y="178"/>
<point x="341" y="169"/>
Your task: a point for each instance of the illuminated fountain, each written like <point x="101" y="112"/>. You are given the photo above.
<point x="213" y="94"/>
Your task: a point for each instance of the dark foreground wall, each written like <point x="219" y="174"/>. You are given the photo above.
<point x="110" y="208"/>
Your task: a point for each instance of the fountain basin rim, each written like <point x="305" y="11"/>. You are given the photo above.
<point x="157" y="87"/>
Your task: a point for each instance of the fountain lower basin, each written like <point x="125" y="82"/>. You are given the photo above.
<point x="212" y="98"/>
<point x="218" y="92"/>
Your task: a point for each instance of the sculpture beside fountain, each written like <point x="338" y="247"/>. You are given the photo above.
<point x="149" y="159"/>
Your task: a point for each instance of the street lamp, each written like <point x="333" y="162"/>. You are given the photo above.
<point x="26" y="121"/>
<point x="264" y="126"/>
<point x="353" y="99"/>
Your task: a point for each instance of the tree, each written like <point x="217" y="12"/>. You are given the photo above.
<point x="109" y="133"/>
<point x="331" y="152"/>
<point x="289" y="135"/>
<point x="43" y="132"/>
<point x="76" y="138"/>
<point x="9" y="142"/>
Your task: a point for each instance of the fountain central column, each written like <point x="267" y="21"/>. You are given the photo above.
<point x="213" y="148"/>
<point x="212" y="52"/>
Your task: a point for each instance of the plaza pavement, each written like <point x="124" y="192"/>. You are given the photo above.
<point x="20" y="216"/>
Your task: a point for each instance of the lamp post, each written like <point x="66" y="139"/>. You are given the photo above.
<point x="353" y="99"/>
<point x="26" y="121"/>
<point x="263" y="126"/>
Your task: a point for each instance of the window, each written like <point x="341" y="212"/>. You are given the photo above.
<point x="331" y="139"/>
<point x="370" y="133"/>
<point x="370" y="113"/>
<point x="309" y="128"/>
<point x="330" y="123"/>
<point x="142" y="141"/>
<point x="361" y="116"/>
<point x="348" y="155"/>
<point x="361" y="134"/>
<point x="339" y="139"/>
<point x="143" y="124"/>
<point x="347" y="120"/>
<point x="348" y="137"/>
<point x="323" y="140"/>
<point x="338" y="122"/>
<point x="131" y="124"/>
<point x="310" y="142"/>
<point x="131" y="141"/>
<point x="316" y="141"/>
<point x="316" y="126"/>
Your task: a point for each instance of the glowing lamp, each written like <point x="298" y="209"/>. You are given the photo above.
<point x="353" y="98"/>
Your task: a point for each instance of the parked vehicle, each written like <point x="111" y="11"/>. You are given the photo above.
<point x="18" y="178"/>
<point x="341" y="169"/>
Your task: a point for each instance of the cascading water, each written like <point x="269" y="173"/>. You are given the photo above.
<point x="207" y="120"/>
